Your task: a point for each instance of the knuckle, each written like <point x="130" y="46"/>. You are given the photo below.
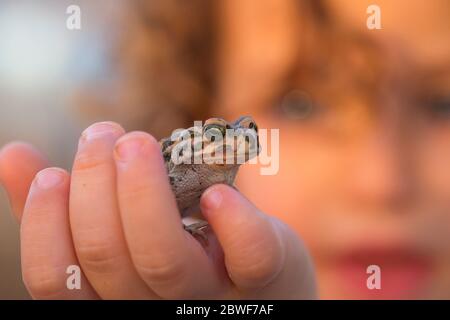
<point x="44" y="282"/>
<point x="97" y="256"/>
<point x="136" y="190"/>
<point x="159" y="270"/>
<point x="258" y="264"/>
<point x="260" y="271"/>
<point x="89" y="160"/>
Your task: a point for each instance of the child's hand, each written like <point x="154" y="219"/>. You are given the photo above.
<point x="116" y="218"/>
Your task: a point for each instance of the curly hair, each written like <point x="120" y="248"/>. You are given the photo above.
<point x="165" y="60"/>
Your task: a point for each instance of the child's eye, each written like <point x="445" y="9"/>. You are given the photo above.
<point x="439" y="107"/>
<point x="297" y="105"/>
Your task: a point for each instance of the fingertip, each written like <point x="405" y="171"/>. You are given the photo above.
<point x="132" y="144"/>
<point x="20" y="155"/>
<point x="212" y="199"/>
<point x="222" y="201"/>
<point x="49" y="178"/>
<point x="18" y="146"/>
<point x="19" y="163"/>
<point x="50" y="187"/>
<point x="12" y="146"/>
<point x="138" y="135"/>
<point x="101" y="128"/>
<point x="47" y="184"/>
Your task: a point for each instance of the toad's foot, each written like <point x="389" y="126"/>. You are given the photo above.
<point x="198" y="229"/>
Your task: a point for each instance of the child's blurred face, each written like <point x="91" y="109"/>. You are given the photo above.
<point x="365" y="148"/>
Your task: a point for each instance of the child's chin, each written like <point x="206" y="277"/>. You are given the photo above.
<point x="399" y="278"/>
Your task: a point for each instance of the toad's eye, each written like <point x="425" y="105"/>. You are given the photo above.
<point x="214" y="129"/>
<point x="297" y="105"/>
<point x="166" y="143"/>
<point x="253" y="125"/>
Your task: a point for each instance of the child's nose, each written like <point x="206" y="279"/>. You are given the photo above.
<point x="380" y="173"/>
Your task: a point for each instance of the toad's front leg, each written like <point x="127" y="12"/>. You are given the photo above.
<point x="197" y="229"/>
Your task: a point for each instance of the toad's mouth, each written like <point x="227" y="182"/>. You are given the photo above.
<point x="229" y="153"/>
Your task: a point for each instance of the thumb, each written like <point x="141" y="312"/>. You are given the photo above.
<point x="19" y="163"/>
<point x="251" y="241"/>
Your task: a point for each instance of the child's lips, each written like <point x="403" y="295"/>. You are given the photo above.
<point x="403" y="273"/>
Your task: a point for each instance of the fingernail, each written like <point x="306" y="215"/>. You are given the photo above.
<point x="49" y="178"/>
<point x="212" y="199"/>
<point x="98" y="130"/>
<point x="129" y="148"/>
